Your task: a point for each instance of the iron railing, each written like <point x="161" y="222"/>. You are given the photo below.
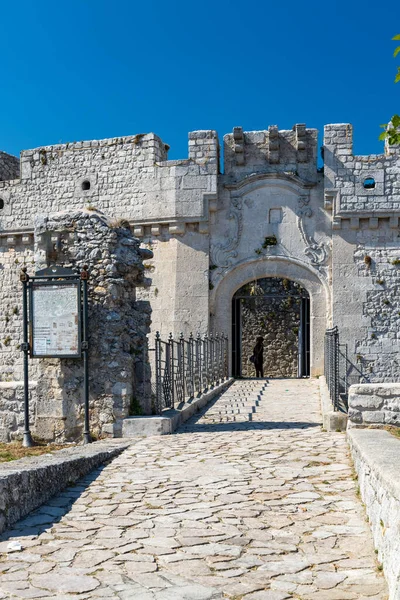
<point x="335" y="369"/>
<point x="186" y="368"/>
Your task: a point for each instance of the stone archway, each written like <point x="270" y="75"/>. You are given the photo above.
<point x="276" y="266"/>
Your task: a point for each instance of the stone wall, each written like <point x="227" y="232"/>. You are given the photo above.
<point x="14" y="253"/>
<point x="277" y="320"/>
<point x="126" y="177"/>
<point x="118" y="326"/>
<point x="374" y="403"/>
<point x="9" y="167"/>
<point x="376" y="456"/>
<point x="363" y="193"/>
<point x="12" y="409"/>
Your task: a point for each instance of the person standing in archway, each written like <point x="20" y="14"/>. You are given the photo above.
<point x="258" y="357"/>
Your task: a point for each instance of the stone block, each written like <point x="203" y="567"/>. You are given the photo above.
<point x="373" y="416"/>
<point x="360" y="401"/>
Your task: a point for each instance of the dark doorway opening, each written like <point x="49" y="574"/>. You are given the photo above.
<point x="279" y="311"/>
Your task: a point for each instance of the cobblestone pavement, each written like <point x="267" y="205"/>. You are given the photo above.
<point x="261" y="509"/>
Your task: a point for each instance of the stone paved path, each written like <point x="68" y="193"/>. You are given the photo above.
<point x="260" y="509"/>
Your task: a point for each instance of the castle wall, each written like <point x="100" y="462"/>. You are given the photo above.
<point x="272" y="213"/>
<point x="9" y="167"/>
<point x="129" y="177"/>
<point x="366" y="247"/>
<point x="117" y="331"/>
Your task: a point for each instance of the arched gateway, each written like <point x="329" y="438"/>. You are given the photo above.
<point x="275" y="266"/>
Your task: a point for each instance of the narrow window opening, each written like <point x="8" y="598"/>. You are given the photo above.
<point x="1" y="203"/>
<point x="369" y="183"/>
<point x="85" y="185"/>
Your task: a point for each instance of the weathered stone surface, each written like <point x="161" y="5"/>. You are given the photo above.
<point x="374" y="403"/>
<point x="269" y="507"/>
<point x="28" y="483"/>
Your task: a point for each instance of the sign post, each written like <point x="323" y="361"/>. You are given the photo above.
<point x="57" y="323"/>
<point x="27" y="441"/>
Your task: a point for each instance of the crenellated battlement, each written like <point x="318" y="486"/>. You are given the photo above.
<point x="359" y="186"/>
<point x="272" y="151"/>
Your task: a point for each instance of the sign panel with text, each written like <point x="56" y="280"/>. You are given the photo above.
<point x="55" y="309"/>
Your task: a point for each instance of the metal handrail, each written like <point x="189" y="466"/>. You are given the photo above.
<point x="187" y="368"/>
<point x="335" y="373"/>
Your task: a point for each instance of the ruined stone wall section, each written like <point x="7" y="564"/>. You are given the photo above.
<point x="9" y="167"/>
<point x="126" y="177"/>
<point x="14" y="254"/>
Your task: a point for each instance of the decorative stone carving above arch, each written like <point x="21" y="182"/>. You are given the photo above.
<point x="252" y="202"/>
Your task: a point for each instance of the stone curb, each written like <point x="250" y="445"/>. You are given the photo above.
<point x="27" y="483"/>
<point x="170" y="419"/>
<point x="376" y="456"/>
<point x="332" y="420"/>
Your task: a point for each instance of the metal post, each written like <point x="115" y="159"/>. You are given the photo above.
<point x="158" y="374"/>
<point x="85" y="349"/>
<point x="191" y="364"/>
<point x="198" y="365"/>
<point x="27" y="441"/>
<point x="172" y="359"/>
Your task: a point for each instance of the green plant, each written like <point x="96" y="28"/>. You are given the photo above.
<point x="15" y="310"/>
<point x="7" y="341"/>
<point x="258" y="251"/>
<point x="156" y="292"/>
<point x="396" y="261"/>
<point x="380" y="281"/>
<point x="392" y="133"/>
<point x="269" y="241"/>
<point x="373" y="336"/>
<point x="295" y="330"/>
<point x="367" y="260"/>
<point x="285" y="284"/>
<point x="358" y="357"/>
<point x="134" y="408"/>
<point x="43" y="156"/>
<point x="386" y="301"/>
<point x="90" y="207"/>
<point x="213" y="267"/>
<point x="210" y="286"/>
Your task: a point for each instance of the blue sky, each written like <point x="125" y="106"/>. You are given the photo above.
<point x="90" y="69"/>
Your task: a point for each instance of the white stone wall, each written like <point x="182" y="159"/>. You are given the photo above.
<point x="376" y="456"/>
<point x="9" y="167"/>
<point x="374" y="403"/>
<point x="365" y="250"/>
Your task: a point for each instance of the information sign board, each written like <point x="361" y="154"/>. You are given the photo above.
<point x="55" y="319"/>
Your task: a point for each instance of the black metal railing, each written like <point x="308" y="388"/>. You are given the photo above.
<point x="186" y="368"/>
<point x="335" y="369"/>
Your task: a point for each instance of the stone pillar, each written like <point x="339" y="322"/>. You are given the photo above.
<point x="117" y="328"/>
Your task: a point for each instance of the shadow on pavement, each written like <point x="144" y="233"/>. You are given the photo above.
<point x="244" y="426"/>
<point x="44" y="517"/>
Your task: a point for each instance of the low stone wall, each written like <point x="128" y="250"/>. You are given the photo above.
<point x="377" y="403"/>
<point x="27" y="483"/>
<point x="12" y="409"/>
<point x="376" y="456"/>
<point x="171" y="419"/>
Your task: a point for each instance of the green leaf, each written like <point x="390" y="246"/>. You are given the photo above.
<point x="383" y="136"/>
<point x="397" y="78"/>
<point x="383" y="126"/>
<point x="396" y="37"/>
<point x="395" y="121"/>
<point x="395" y="53"/>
